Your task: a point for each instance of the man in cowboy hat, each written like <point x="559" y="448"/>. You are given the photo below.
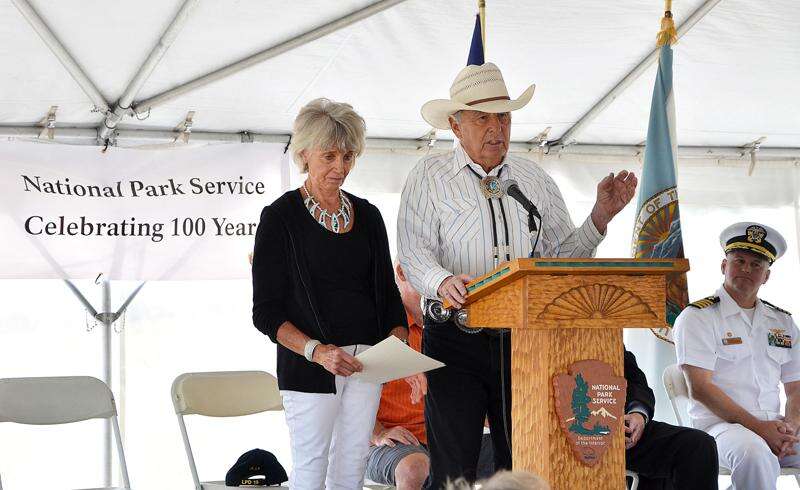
<point x="735" y="350"/>
<point x="454" y="223"/>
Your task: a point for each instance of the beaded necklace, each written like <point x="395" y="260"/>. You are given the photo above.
<point x="344" y="212"/>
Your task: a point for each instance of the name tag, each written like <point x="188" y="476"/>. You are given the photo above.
<point x="779" y="338"/>
<point x="732" y="341"/>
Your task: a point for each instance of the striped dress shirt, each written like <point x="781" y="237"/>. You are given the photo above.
<point x="444" y="225"/>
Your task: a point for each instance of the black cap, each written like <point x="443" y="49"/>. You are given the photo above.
<point x="256" y="462"/>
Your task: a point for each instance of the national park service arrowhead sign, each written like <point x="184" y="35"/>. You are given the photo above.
<point x="590" y="403"/>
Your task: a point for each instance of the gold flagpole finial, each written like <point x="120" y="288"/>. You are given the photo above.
<point x="668" y="34"/>
<point x="482" y="14"/>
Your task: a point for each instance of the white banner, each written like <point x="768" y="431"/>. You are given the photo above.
<point x="73" y="212"/>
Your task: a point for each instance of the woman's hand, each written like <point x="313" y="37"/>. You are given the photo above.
<point x="336" y="360"/>
<point x="419" y="387"/>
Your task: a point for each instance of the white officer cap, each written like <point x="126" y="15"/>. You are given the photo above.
<point x="753" y="237"/>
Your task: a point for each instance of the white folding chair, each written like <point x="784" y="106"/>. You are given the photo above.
<point x="61" y="400"/>
<point x="677" y="390"/>
<point x="222" y="394"/>
<point x="634" y="479"/>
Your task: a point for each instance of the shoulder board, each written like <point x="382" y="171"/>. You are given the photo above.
<point x="775" y="307"/>
<point x="705" y="302"/>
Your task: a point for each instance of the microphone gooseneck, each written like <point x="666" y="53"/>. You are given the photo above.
<point x="511" y="189"/>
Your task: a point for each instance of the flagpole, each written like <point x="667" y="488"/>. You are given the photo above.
<point x="482" y="15"/>
<point x="668" y="33"/>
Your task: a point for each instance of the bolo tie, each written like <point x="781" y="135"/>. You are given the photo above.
<point x="491" y="189"/>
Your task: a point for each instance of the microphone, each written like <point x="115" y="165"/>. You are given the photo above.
<point x="511" y="189"/>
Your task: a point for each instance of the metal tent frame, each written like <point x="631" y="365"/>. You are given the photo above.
<point x="107" y="133"/>
<point x="107" y="317"/>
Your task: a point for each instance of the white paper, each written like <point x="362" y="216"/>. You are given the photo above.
<point x="391" y="359"/>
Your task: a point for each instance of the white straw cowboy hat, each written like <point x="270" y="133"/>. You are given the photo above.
<point x="476" y="88"/>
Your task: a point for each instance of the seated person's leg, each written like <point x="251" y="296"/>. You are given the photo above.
<point x="405" y="466"/>
<point x="412" y="471"/>
<point x="685" y="457"/>
<point x="747" y="455"/>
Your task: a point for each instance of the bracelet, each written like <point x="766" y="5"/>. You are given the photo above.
<point x="308" y="350"/>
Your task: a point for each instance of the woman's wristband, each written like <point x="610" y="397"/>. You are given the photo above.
<point x="308" y="350"/>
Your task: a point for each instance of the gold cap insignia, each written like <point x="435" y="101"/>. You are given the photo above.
<point x="756" y="234"/>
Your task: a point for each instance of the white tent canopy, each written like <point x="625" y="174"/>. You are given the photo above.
<point x="734" y="70"/>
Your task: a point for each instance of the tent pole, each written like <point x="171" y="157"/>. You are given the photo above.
<point x="121" y="401"/>
<point x="128" y="301"/>
<point x="124" y="103"/>
<point x="262" y="56"/>
<point x="107" y="318"/>
<point x="571" y="134"/>
<point x="58" y="49"/>
<point x="81" y="298"/>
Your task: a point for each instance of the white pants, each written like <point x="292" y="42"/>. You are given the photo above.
<point x="329" y="433"/>
<point x="753" y="465"/>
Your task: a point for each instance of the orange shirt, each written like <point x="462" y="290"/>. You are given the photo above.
<point x="396" y="407"/>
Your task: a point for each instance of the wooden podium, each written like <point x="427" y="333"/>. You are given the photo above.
<point x="562" y="311"/>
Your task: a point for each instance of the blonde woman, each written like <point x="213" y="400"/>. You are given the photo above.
<point x="324" y="291"/>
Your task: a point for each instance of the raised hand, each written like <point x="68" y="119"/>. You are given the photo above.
<point x="614" y="192"/>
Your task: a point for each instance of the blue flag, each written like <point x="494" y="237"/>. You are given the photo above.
<point x="657" y="230"/>
<point x="476" y="47"/>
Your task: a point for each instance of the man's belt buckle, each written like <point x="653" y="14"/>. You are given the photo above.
<point x="435" y="310"/>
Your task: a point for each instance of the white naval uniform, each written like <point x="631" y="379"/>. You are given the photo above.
<point x="720" y="337"/>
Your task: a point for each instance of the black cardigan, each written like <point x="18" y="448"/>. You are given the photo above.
<point x="282" y="289"/>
